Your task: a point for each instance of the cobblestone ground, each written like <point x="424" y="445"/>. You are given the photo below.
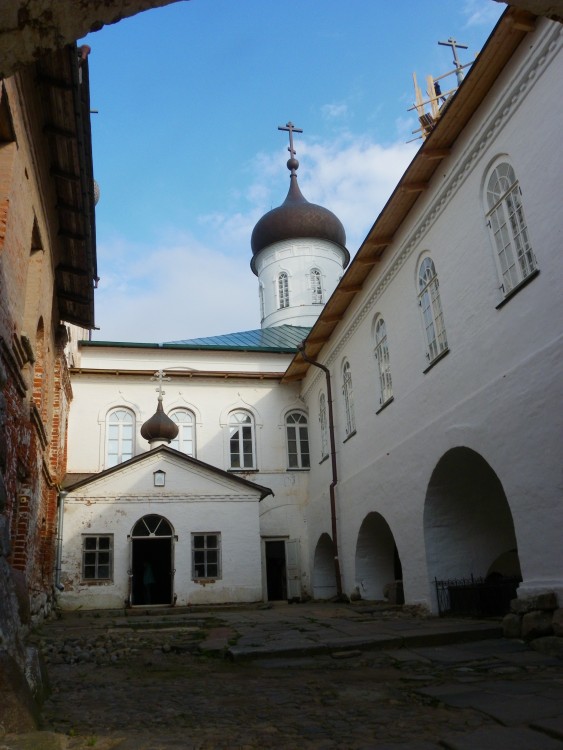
<point x="139" y="684"/>
<point x="158" y="700"/>
<point x="154" y="690"/>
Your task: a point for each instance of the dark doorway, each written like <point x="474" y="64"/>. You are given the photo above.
<point x="276" y="574"/>
<point x="152" y="563"/>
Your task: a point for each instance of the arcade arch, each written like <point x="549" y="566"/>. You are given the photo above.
<point x="468" y="525"/>
<point x="378" y="565"/>
<point x="324" y="577"/>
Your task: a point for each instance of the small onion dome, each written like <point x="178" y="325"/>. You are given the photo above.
<point x="297" y="218"/>
<point x="159" y="426"/>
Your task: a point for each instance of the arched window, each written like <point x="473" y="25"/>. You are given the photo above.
<point x="431" y="309"/>
<point x="506" y="220"/>
<point x="297" y="441"/>
<point x="241" y="440"/>
<point x="283" y="290"/>
<point x="382" y="359"/>
<point x="185" y="440"/>
<point x="120" y="430"/>
<point x="315" y="280"/>
<point x="324" y="425"/>
<point x="348" y="398"/>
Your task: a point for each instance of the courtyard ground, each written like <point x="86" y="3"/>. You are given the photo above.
<point x="293" y="676"/>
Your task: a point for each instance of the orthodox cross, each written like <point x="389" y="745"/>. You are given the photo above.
<point x="161" y="377"/>
<point x="291" y="129"/>
<point x="457" y="62"/>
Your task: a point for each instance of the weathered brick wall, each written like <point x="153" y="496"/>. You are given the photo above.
<point x="35" y="390"/>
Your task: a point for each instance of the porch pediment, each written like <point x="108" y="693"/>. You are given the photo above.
<point x="181" y="477"/>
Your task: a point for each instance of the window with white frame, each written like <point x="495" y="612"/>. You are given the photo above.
<point x="431" y="309"/>
<point x="283" y="290"/>
<point x="120" y="431"/>
<point x="348" y="398"/>
<point x="297" y="432"/>
<point x="241" y="440"/>
<point x="185" y="440"/>
<point x="323" y="419"/>
<point x="97" y="557"/>
<point x="506" y="220"/>
<point x="315" y="280"/>
<point x="383" y="363"/>
<point x="206" y="556"/>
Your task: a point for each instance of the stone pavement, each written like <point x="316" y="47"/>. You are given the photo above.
<point x="296" y="676"/>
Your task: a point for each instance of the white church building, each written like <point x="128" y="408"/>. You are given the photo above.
<point x="415" y="435"/>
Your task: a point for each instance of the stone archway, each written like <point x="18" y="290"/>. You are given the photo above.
<point x="324" y="578"/>
<point x="378" y="567"/>
<point x="468" y="526"/>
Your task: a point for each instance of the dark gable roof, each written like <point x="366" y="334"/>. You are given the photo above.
<point x="264" y="491"/>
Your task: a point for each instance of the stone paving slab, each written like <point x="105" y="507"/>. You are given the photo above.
<point x="500" y="738"/>
<point x="508" y="703"/>
<point x="553" y="727"/>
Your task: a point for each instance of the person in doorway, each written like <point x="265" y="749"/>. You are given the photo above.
<point x="148" y="581"/>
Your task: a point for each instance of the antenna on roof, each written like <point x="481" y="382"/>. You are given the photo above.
<point x="437" y="100"/>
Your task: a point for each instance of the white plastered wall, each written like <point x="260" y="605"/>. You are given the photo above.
<point x="498" y="389"/>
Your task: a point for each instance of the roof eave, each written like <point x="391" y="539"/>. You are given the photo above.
<point x="506" y="37"/>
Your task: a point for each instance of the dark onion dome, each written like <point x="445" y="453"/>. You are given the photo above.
<point x="159" y="426"/>
<point x="297" y="218"/>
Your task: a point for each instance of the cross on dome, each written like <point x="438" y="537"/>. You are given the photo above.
<point x="290" y="128"/>
<point x="161" y="377"/>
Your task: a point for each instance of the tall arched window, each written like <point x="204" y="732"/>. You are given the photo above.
<point x="324" y="425"/>
<point x="315" y="280"/>
<point x="185" y="440"/>
<point x="383" y="363"/>
<point x="120" y="431"/>
<point x="431" y="309"/>
<point x="297" y="441"/>
<point x="348" y="398"/>
<point x="506" y="220"/>
<point x="283" y="290"/>
<point x="241" y="440"/>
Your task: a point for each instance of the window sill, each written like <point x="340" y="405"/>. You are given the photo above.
<point x="513" y="292"/>
<point x="323" y="459"/>
<point x="436" y="360"/>
<point x="298" y="468"/>
<point x="97" y="582"/>
<point x="351" y="435"/>
<point x="385" y="405"/>
<point x="205" y="581"/>
<point x="243" y="471"/>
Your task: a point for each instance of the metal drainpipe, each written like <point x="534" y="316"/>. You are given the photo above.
<point x="61" y="511"/>
<point x="337" y="573"/>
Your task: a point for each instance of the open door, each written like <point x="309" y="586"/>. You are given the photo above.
<point x="152" y="562"/>
<point x="283" y="580"/>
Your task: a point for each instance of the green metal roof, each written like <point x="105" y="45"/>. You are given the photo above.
<point x="278" y="338"/>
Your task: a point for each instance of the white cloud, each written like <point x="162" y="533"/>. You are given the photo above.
<point x="178" y="290"/>
<point x="334" y="111"/>
<point x="200" y="284"/>
<point x="482" y="12"/>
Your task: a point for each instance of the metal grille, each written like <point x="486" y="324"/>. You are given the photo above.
<point x="478" y="597"/>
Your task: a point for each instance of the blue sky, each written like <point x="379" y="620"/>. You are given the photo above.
<point x="188" y="156"/>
